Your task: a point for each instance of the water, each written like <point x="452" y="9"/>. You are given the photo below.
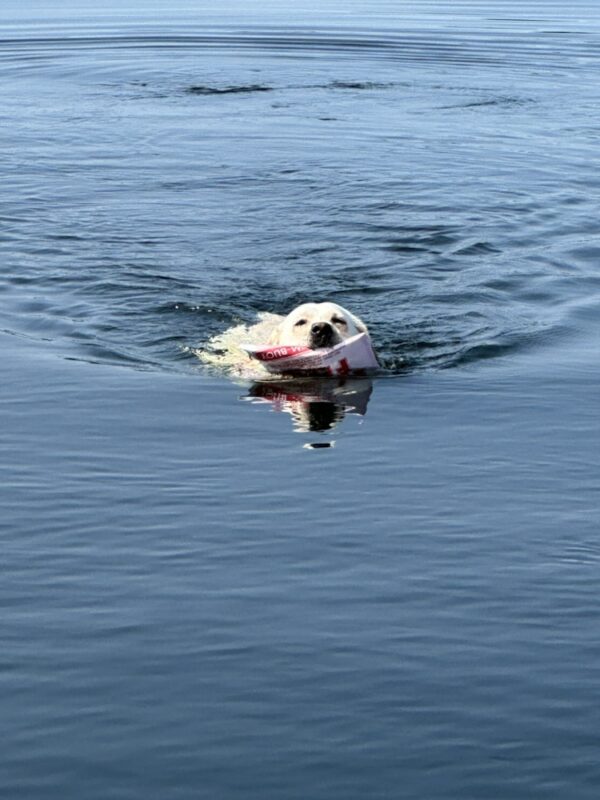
<point x="215" y="587"/>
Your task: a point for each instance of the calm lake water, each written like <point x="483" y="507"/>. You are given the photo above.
<point x="382" y="588"/>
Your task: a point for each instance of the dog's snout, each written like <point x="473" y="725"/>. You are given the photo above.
<point x="322" y="334"/>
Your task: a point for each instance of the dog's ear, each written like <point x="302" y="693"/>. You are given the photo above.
<point x="358" y="323"/>
<point x="275" y="335"/>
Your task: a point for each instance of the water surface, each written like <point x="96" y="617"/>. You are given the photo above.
<point x="198" y="602"/>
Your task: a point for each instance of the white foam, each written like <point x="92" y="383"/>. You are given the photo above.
<point x="224" y="352"/>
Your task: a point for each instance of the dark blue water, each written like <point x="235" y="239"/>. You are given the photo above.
<point x="196" y="601"/>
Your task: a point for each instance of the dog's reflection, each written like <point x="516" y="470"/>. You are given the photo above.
<point x="315" y="404"/>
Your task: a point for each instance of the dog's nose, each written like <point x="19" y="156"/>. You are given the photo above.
<point x="321" y="334"/>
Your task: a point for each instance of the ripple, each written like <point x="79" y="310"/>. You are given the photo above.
<point x="494" y="102"/>
<point x="359" y="85"/>
<point x="145" y="222"/>
<point x="436" y="46"/>
<point x="213" y="90"/>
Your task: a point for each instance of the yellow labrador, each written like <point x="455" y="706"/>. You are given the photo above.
<point x="317" y="325"/>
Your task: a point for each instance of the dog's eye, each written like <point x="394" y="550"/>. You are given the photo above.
<point x="338" y="321"/>
<point x="300" y="322"/>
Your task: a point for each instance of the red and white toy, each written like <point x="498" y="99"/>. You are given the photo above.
<point x="354" y="356"/>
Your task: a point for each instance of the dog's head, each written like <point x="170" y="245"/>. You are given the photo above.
<point x="317" y="325"/>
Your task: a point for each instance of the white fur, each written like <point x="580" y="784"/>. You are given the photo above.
<point x="296" y="327"/>
<point x="224" y="352"/>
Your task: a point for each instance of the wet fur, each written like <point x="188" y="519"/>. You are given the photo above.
<point x="317" y="325"/>
<point x="223" y="352"/>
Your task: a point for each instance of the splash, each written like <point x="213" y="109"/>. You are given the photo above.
<point x="224" y="353"/>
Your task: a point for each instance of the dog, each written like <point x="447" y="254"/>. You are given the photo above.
<point x="317" y="325"/>
<point x="313" y="325"/>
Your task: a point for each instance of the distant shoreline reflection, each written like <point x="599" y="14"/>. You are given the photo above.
<point x="316" y="405"/>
